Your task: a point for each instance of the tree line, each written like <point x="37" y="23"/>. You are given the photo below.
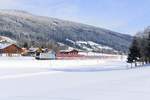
<point x="139" y="51"/>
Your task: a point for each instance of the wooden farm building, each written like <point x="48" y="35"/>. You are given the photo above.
<point x="68" y="54"/>
<point x="10" y="49"/>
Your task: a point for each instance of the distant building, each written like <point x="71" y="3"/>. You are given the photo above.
<point x="32" y="52"/>
<point x="68" y="53"/>
<point x="10" y="49"/>
<point x="50" y="55"/>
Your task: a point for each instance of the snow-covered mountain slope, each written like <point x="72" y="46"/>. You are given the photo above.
<point x="4" y="39"/>
<point x="37" y="30"/>
<point x="91" y="46"/>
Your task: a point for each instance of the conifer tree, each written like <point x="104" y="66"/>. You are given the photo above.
<point x="148" y="48"/>
<point x="134" y="52"/>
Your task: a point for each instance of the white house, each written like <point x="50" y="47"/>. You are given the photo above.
<point x="50" y="55"/>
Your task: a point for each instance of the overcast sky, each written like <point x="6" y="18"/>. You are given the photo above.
<point x="125" y="16"/>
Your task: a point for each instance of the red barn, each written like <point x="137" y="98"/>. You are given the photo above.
<point x="10" y="49"/>
<point x="68" y="54"/>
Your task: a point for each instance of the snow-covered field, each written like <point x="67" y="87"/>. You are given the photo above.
<point x="28" y="79"/>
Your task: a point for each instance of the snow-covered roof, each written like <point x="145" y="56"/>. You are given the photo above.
<point x="33" y="49"/>
<point x="2" y="46"/>
<point x="6" y="40"/>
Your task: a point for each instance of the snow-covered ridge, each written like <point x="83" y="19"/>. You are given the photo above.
<point x="4" y="39"/>
<point x="90" y="45"/>
<point x="71" y="41"/>
<point x="15" y="12"/>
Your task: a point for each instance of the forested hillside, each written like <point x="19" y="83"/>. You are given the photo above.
<point x="43" y="31"/>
